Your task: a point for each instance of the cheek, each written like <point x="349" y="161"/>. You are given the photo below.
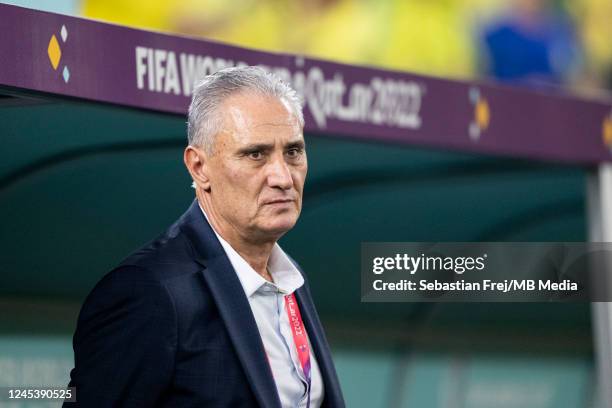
<point x="231" y="175"/>
<point x="229" y="184"/>
<point x="243" y="188"/>
<point x="299" y="177"/>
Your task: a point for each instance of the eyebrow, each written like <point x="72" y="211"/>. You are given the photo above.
<point x="298" y="143"/>
<point x="265" y="147"/>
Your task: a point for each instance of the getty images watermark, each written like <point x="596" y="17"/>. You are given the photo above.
<point x="486" y="272"/>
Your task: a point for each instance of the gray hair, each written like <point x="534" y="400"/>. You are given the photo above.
<point x="204" y="120"/>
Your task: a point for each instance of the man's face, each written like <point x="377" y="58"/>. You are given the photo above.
<point x="258" y="167"/>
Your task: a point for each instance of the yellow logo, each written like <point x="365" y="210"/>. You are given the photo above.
<point x="54" y="52"/>
<point x="482" y="114"/>
<point x="606" y="129"/>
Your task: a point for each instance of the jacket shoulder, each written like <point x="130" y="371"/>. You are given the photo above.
<point x="168" y="256"/>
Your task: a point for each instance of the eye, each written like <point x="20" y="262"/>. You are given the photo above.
<point x="256" y="155"/>
<point x="294" y="152"/>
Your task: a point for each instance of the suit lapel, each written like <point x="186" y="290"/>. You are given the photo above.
<point x="233" y="306"/>
<point x="242" y="328"/>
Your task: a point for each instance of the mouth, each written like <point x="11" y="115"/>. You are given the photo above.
<point x="280" y="201"/>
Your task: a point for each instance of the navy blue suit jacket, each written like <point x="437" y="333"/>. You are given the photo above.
<point x="172" y="327"/>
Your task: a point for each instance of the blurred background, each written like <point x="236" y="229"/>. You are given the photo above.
<point x="535" y="42"/>
<point x="387" y="355"/>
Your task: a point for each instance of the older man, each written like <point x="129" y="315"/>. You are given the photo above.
<point x="213" y="312"/>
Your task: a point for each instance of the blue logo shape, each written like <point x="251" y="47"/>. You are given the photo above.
<point x="66" y="74"/>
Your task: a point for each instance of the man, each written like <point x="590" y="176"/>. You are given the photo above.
<point x="213" y="313"/>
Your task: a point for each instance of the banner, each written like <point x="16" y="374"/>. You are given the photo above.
<point x="73" y="57"/>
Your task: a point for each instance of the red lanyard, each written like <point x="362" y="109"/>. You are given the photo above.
<point x="299" y="337"/>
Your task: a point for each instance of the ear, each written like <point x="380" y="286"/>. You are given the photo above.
<point x="196" y="161"/>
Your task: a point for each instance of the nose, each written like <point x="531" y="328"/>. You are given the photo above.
<point x="279" y="175"/>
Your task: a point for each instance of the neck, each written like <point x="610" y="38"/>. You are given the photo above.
<point x="255" y="253"/>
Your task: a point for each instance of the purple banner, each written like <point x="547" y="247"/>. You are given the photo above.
<point x="86" y="59"/>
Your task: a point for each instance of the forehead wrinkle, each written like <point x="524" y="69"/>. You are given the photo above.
<point x="292" y="125"/>
<point x="235" y="133"/>
<point x="244" y="122"/>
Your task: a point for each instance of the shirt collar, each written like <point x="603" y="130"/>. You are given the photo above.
<point x="287" y="278"/>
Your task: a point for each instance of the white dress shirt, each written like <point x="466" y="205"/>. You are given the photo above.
<point x="267" y="301"/>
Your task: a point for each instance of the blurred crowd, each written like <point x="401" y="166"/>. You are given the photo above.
<point x="531" y="42"/>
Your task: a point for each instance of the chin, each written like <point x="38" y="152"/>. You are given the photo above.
<point x="280" y="224"/>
